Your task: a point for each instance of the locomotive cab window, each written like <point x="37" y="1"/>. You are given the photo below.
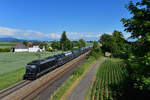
<point x="31" y="68"/>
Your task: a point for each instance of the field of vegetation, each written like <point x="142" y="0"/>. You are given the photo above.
<point x="7" y="44"/>
<point x="10" y="61"/>
<point x="12" y="66"/>
<point x="109" y="81"/>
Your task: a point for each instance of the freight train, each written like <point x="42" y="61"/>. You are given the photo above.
<point x="38" y="68"/>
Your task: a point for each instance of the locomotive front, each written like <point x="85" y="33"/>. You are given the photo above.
<point x="31" y="71"/>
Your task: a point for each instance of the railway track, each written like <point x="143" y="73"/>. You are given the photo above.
<point x="36" y="92"/>
<point x="13" y="88"/>
<point x="25" y="91"/>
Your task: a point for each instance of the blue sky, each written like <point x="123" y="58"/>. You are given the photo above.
<point x="46" y="19"/>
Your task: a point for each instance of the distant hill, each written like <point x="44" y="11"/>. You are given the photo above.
<point x="10" y="39"/>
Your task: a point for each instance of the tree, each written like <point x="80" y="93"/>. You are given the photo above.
<point x="65" y="43"/>
<point x="43" y="44"/>
<point x="82" y="43"/>
<point x="25" y="43"/>
<point x="106" y="40"/>
<point x="139" y="24"/>
<point x="114" y="43"/>
<point x="63" y="37"/>
<point x="139" y="27"/>
<point x="96" y="50"/>
<point x="118" y="43"/>
<point x="55" y="45"/>
<point x="69" y="45"/>
<point x="75" y="44"/>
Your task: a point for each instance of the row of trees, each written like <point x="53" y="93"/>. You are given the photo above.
<point x="114" y="43"/>
<point x="137" y="53"/>
<point x="65" y="44"/>
<point x="139" y="27"/>
<point x="41" y="44"/>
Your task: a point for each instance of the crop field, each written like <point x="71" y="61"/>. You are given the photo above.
<point x="7" y="44"/>
<point x="109" y="80"/>
<point x="12" y="66"/>
<point x="10" y="61"/>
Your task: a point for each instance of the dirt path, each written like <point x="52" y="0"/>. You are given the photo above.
<point x="80" y="91"/>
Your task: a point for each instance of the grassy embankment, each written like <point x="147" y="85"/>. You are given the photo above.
<point x="109" y="81"/>
<point x="74" y="78"/>
<point x="12" y="66"/>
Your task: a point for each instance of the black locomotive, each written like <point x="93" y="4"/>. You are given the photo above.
<point x="38" y="68"/>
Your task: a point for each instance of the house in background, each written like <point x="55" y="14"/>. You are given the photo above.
<point x="22" y="48"/>
<point x="34" y="47"/>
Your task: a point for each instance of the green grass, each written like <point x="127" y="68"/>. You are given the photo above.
<point x="109" y="81"/>
<point x="12" y="66"/>
<point x="7" y="44"/>
<point x="10" y="61"/>
<point x="76" y="74"/>
<point x="11" y="78"/>
<point x="5" y="47"/>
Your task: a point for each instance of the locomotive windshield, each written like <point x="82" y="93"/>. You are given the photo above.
<point x="31" y="68"/>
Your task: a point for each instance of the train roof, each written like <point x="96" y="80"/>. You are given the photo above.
<point x="59" y="55"/>
<point x="47" y="59"/>
<point x="52" y="58"/>
<point x="34" y="62"/>
<point x="67" y="53"/>
<point x="77" y="50"/>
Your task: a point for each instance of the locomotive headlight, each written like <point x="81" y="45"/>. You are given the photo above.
<point x="33" y="66"/>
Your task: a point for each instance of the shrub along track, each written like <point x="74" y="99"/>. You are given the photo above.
<point x="32" y="90"/>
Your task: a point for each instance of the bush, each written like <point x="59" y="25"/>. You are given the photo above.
<point x="96" y="50"/>
<point x="4" y="49"/>
<point x="94" y="54"/>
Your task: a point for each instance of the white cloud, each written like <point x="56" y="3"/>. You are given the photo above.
<point x="27" y="34"/>
<point x="8" y="31"/>
<point x="35" y="35"/>
<point x="84" y="35"/>
<point x="54" y="35"/>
